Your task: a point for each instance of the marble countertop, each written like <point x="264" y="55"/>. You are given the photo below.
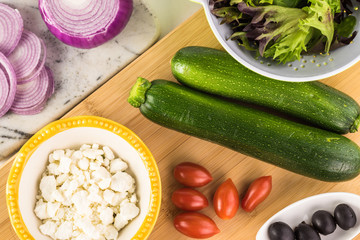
<point x="80" y="72"/>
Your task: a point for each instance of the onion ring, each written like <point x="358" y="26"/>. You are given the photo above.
<point x="7" y="69"/>
<point x="29" y="101"/>
<point x="85" y="23"/>
<point x="11" y="27"/>
<point x="32" y="93"/>
<point x="26" y="58"/>
<point x="4" y="88"/>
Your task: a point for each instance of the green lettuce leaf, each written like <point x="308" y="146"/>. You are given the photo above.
<point x="252" y="2"/>
<point x="321" y="16"/>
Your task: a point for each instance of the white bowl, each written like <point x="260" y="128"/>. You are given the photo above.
<point x="31" y="161"/>
<point x="304" y="209"/>
<point x="309" y="68"/>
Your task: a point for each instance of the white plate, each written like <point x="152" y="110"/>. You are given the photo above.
<point x="304" y="209"/>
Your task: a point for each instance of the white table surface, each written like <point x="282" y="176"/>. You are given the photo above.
<point x="170" y="13"/>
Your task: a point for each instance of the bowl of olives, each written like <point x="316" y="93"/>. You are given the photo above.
<point x="327" y="216"/>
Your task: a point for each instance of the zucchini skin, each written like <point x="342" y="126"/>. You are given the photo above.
<point x="302" y="149"/>
<point x="216" y="72"/>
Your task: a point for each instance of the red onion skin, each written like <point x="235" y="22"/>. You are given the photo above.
<point x="102" y="36"/>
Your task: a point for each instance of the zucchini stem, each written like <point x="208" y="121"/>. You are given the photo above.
<point x="355" y="127"/>
<point x="138" y="92"/>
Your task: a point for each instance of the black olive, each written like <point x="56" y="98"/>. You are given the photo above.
<point x="280" y="231"/>
<point x="306" y="232"/>
<point x="345" y="216"/>
<point x="323" y="222"/>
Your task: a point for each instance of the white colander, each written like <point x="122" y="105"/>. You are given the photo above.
<point x="309" y="68"/>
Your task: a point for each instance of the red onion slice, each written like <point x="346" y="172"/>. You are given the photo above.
<point x="28" y="101"/>
<point x="10" y="77"/>
<point x="32" y="93"/>
<point x="4" y="88"/>
<point x="30" y="111"/>
<point x="51" y="87"/>
<point x="26" y="58"/>
<point x="11" y="27"/>
<point x="85" y="23"/>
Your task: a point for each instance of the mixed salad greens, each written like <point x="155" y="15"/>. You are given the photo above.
<point x="284" y="29"/>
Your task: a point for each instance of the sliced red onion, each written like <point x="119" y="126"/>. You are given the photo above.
<point x="11" y="27"/>
<point x="28" y="58"/>
<point x="51" y="87"/>
<point x="29" y="101"/>
<point x="32" y="93"/>
<point x="4" y="88"/>
<point x="85" y="23"/>
<point x="30" y="111"/>
<point x="10" y="77"/>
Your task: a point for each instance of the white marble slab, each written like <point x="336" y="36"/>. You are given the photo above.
<point x="77" y="72"/>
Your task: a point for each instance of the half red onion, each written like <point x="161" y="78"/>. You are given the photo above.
<point x="28" y="58"/>
<point x="11" y="27"/>
<point x="10" y="78"/>
<point x="85" y="23"/>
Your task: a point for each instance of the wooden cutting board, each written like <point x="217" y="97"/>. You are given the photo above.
<point x="170" y="148"/>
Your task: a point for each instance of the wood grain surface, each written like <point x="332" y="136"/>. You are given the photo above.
<point x="170" y="148"/>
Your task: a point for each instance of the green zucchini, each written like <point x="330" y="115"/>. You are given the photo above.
<point x="303" y="149"/>
<point x="216" y="72"/>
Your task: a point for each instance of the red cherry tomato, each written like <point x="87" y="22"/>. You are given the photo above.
<point x="256" y="193"/>
<point x="192" y="175"/>
<point x="189" y="199"/>
<point x="195" y="225"/>
<point x="226" y="200"/>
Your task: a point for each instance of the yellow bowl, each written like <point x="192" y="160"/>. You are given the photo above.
<point x="31" y="161"/>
